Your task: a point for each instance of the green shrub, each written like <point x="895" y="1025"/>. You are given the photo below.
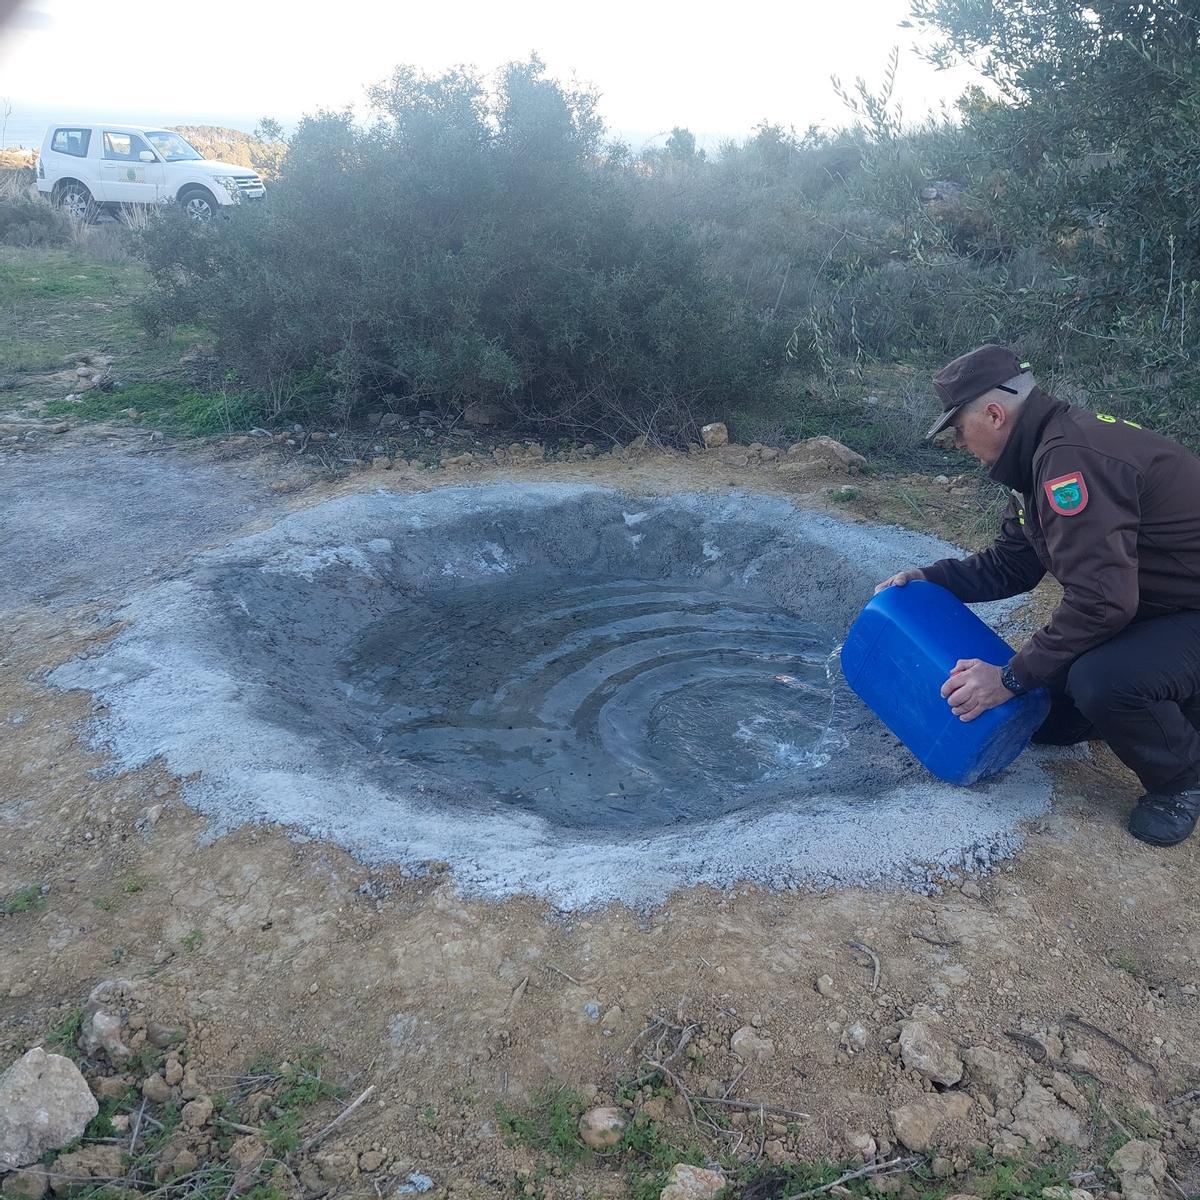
<point x="28" y="222"/>
<point x="469" y="245"/>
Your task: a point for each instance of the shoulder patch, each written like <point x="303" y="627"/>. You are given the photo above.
<point x="1068" y="494"/>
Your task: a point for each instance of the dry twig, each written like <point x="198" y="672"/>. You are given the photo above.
<point x="874" y="961"/>
<point x="338" y="1120"/>
<point x="892" y="1167"/>
<point x="1075" y="1019"/>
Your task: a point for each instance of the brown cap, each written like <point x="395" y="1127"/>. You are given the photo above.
<point x="969" y="376"/>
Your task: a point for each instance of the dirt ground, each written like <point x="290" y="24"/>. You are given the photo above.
<point x="1077" y="961"/>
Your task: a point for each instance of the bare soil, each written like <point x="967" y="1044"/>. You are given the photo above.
<point x="260" y="943"/>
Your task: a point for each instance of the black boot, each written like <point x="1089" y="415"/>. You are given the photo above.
<point x="1164" y="820"/>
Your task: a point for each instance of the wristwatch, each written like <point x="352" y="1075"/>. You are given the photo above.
<point x="1010" y="680"/>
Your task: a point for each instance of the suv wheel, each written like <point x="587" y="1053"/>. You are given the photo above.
<point x="72" y="198"/>
<point x="198" y="203"/>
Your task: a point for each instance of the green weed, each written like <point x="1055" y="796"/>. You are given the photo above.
<point x="132" y="884"/>
<point x="104" y="903"/>
<point x="23" y="900"/>
<point x="63" y="1037"/>
<point x="192" y="941"/>
<point x="844" y="495"/>
<point x="550" y="1124"/>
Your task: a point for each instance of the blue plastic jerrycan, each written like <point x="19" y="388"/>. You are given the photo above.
<point x="898" y="653"/>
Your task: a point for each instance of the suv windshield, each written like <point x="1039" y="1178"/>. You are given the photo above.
<point x="172" y="147"/>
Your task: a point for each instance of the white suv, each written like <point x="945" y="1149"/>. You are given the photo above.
<point x="82" y="166"/>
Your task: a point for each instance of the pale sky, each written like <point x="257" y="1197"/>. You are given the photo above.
<point x="719" y="70"/>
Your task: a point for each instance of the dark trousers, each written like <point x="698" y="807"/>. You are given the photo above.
<point x="1140" y="693"/>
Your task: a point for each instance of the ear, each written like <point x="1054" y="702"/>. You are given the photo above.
<point x="997" y="413"/>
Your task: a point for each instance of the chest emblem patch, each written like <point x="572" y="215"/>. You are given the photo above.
<point x="1067" y="494"/>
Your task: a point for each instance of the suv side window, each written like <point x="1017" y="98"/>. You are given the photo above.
<point x="124" y="147"/>
<point x="71" y="141"/>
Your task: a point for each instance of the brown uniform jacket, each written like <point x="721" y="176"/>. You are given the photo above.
<point x="1111" y="510"/>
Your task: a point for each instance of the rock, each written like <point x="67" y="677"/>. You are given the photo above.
<point x="247" y="1152"/>
<point x="69" y="1171"/>
<point x="381" y="463"/>
<point x="371" y="1160"/>
<point x="733" y="456"/>
<point x="865" y="1145"/>
<point x="994" y="1073"/>
<point x="107" y="1007"/>
<point x="942" y="1168"/>
<point x="336" y="1165"/>
<point x="45" y="1103"/>
<point x="602" y="1128"/>
<point x="970" y="889"/>
<point x="686" y="1182"/>
<point x="930" y="1051"/>
<point x="714" y="434"/>
<point x="173" y="1072"/>
<point x="112" y="1087"/>
<point x="768" y="454"/>
<point x="1040" y="1118"/>
<point x="486" y="412"/>
<point x="825" y="987"/>
<point x="1140" y="1166"/>
<point x="921" y="1123"/>
<point x="824" y="454"/>
<point x="1065" y="1193"/>
<point x="196" y="1113"/>
<point x="29" y="1183"/>
<point x="156" y="1089"/>
<point x="184" y="1163"/>
<point x="750" y="1046"/>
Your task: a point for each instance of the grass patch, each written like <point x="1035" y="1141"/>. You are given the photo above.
<point x="23" y="900"/>
<point x="132" y="884"/>
<point x="550" y="1124"/>
<point x="63" y="1038"/>
<point x="170" y="404"/>
<point x="845" y="495"/>
<point x="192" y="941"/>
<point x="30" y="277"/>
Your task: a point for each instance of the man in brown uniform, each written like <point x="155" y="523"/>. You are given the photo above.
<point x="1112" y="511"/>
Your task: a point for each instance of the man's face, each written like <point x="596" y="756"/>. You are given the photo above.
<point x="982" y="428"/>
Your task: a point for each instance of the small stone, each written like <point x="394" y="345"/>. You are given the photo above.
<point x="826" y="988"/>
<point x="656" y="1108"/>
<point x="156" y="1089"/>
<point x="381" y="463"/>
<point x="942" y="1168"/>
<point x="931" y="1052"/>
<point x="247" y="1152"/>
<point x="686" y="1182"/>
<point x="318" y="435"/>
<point x="715" y="434"/>
<point x="602" y="1128"/>
<point x="750" y="1046"/>
<point x="173" y="1072"/>
<point x="196" y="1113"/>
<point x="970" y="889"/>
<point x="45" y="1104"/>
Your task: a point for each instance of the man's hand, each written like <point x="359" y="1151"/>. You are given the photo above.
<point x="899" y="579"/>
<point x="973" y="688"/>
